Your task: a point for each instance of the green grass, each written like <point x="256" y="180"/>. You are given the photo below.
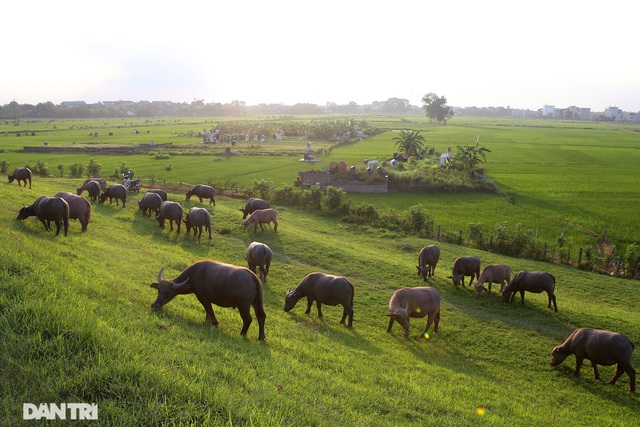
<point x="77" y="327"/>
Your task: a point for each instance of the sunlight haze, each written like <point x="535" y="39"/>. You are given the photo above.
<point x="492" y="53"/>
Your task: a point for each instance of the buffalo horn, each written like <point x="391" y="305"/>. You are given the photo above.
<point x="179" y="285"/>
<point x="160" y="275"/>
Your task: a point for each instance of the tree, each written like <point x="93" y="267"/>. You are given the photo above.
<point x="409" y="142"/>
<point x="436" y="108"/>
<point x="469" y="156"/>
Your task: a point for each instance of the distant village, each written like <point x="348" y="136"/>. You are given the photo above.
<point x="198" y="108"/>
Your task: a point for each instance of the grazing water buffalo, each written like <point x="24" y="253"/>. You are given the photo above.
<point x="253" y="204"/>
<point x="103" y="185"/>
<point x="150" y="202"/>
<point x="415" y="302"/>
<point x="48" y="209"/>
<point x="427" y="261"/>
<point x="323" y="289"/>
<point x="21" y="174"/>
<point x="601" y="348"/>
<point x="198" y="218"/>
<point x="493" y="273"/>
<point x="115" y="191"/>
<point x="79" y="208"/>
<point x="217" y="283"/>
<point x="161" y="193"/>
<point x="202" y="192"/>
<point x="94" y="189"/>
<point x="262" y="216"/>
<point x="171" y="211"/>
<point x="259" y="255"/>
<point x="531" y="281"/>
<point x="465" y="266"/>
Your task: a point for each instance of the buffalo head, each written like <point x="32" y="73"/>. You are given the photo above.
<point x="291" y="298"/>
<point x="167" y="290"/>
<point x="401" y="314"/>
<point x="558" y="356"/>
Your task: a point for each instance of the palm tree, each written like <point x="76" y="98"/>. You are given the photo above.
<point x="469" y="156"/>
<point x="409" y="142"/>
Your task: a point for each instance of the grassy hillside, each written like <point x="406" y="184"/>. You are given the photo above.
<point x="77" y="327"/>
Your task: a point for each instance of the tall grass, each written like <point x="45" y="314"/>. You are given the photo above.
<point x="77" y="327"/>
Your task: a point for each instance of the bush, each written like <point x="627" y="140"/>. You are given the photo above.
<point x="4" y="167"/>
<point x="476" y="237"/>
<point x="41" y="169"/>
<point x="336" y="201"/>
<point x="262" y="189"/>
<point x="61" y="170"/>
<point x="518" y="242"/>
<point x="93" y="169"/>
<point x="287" y="195"/>
<point x="418" y="220"/>
<point x="632" y="261"/>
<point x="76" y="170"/>
<point x="365" y="212"/>
<point x="312" y="198"/>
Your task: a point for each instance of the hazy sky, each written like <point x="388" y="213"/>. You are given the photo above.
<point x="475" y="53"/>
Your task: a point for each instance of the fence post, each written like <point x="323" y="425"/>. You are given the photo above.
<point x="460" y="238"/>
<point x="438" y="232"/>
<point x="490" y="242"/>
<point x="544" y="256"/>
<point x="579" y="257"/>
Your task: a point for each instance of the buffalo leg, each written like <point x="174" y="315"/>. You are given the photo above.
<point x="261" y="316"/>
<point x="596" y="373"/>
<point x="275" y="226"/>
<point x="58" y="226"/>
<point x="246" y="319"/>
<point x="391" y="320"/>
<point x="208" y="308"/>
<point x="522" y="297"/>
<point x="309" y="304"/>
<point x="319" y="308"/>
<point x="46" y="224"/>
<point x="579" y="361"/>
<point x="552" y="297"/>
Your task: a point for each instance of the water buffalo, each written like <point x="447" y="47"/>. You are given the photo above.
<point x="601" y="348"/>
<point x="259" y="255"/>
<point x="203" y="192"/>
<point x="94" y="189"/>
<point x="427" y="261"/>
<point x="48" y="209"/>
<point x="198" y="218"/>
<point x="171" y="211"/>
<point x="159" y="192"/>
<point x="115" y="191"/>
<point x="415" y="302"/>
<point x="79" y="208"/>
<point x="323" y="289"/>
<point x="217" y="283"/>
<point x="493" y="273"/>
<point x="21" y="174"/>
<point x="465" y="266"/>
<point x="262" y="216"/>
<point x="150" y="202"/>
<point x="103" y="185"/>
<point x="531" y="281"/>
<point x="253" y="204"/>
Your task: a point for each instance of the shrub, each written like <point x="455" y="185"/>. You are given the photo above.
<point x="41" y="168"/>
<point x="312" y="198"/>
<point x="476" y="237"/>
<point x="76" y="170"/>
<point x="262" y="189"/>
<point x="632" y="261"/>
<point x="287" y="195"/>
<point x="4" y="167"/>
<point x="418" y="220"/>
<point x="335" y="201"/>
<point x="365" y="212"/>
<point x="61" y="170"/>
<point x="93" y="169"/>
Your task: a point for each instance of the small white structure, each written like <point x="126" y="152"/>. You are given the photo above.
<point x="443" y="159"/>
<point x="372" y="165"/>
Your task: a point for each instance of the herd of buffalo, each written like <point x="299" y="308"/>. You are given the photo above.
<point x="228" y="285"/>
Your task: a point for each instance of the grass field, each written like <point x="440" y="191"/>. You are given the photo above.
<point x="77" y="327"/>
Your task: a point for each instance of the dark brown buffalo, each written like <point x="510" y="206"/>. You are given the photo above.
<point x="171" y="211"/>
<point x="48" y="209"/>
<point x="150" y="202"/>
<point x="323" y="289"/>
<point x="79" y="208"/>
<point x="198" y="218"/>
<point x="262" y="216"/>
<point x="601" y="348"/>
<point x="21" y="174"/>
<point x="427" y="261"/>
<point x="159" y="192"/>
<point x="259" y="255"/>
<point x="101" y="181"/>
<point x="465" y="266"/>
<point x="115" y="191"/>
<point x="253" y="204"/>
<point x="217" y="283"/>
<point x="493" y="273"/>
<point x="415" y="302"/>
<point x="203" y="192"/>
<point x="94" y="188"/>
<point x="531" y="281"/>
